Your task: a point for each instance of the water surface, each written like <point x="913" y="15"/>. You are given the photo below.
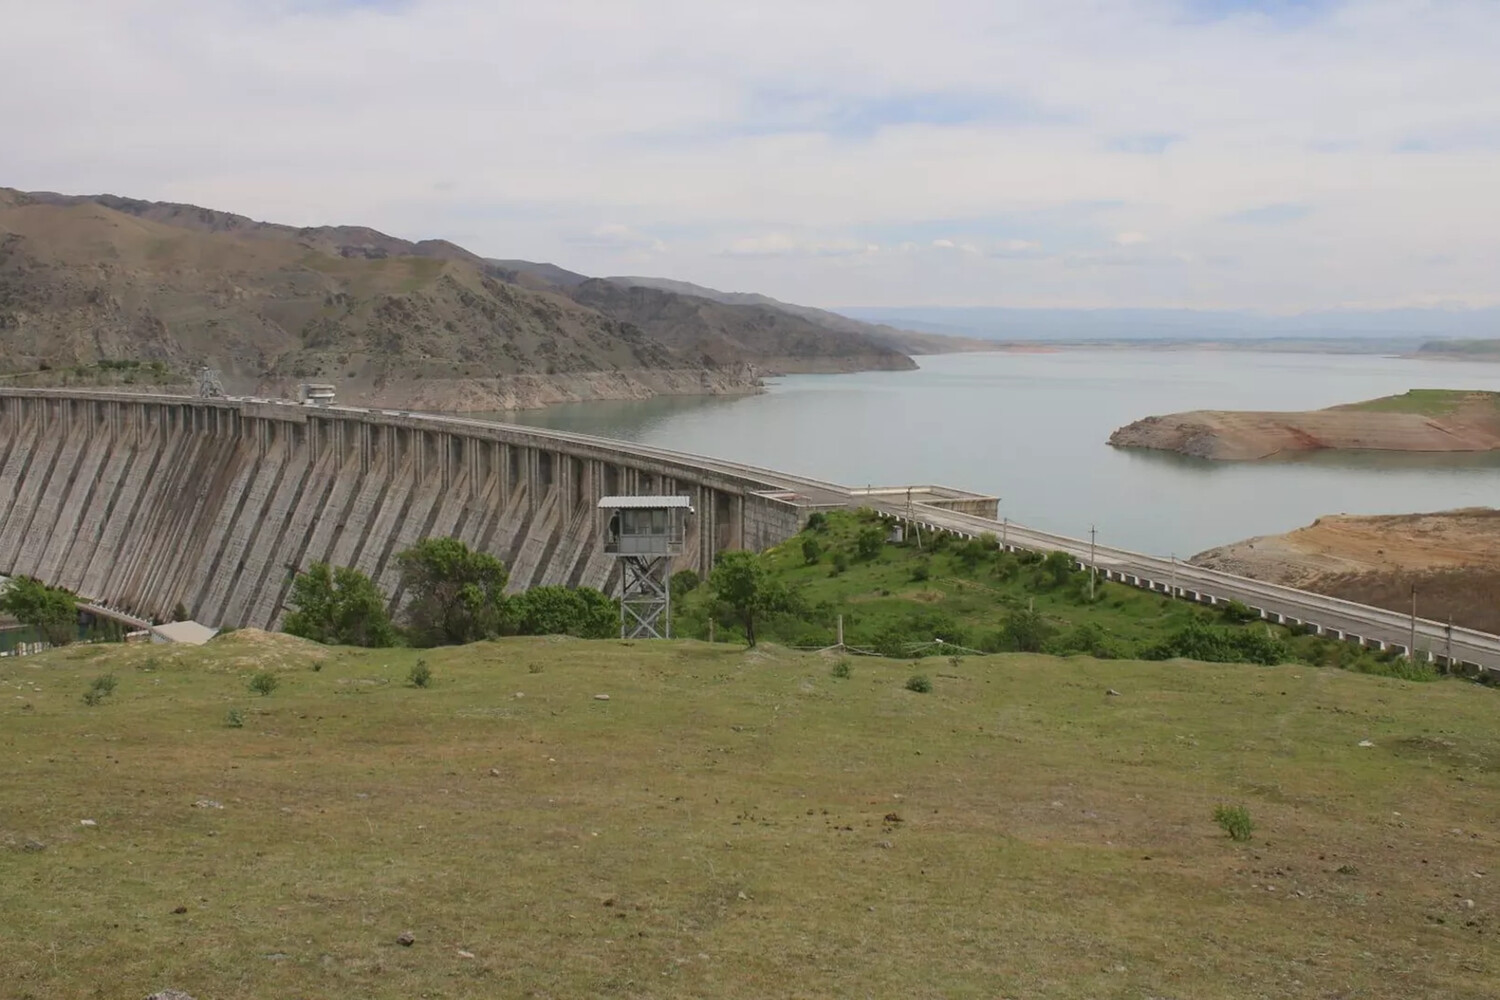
<point x="1031" y="429"/>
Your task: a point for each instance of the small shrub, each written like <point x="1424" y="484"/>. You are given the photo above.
<point x="811" y="551"/>
<point x="843" y="670"/>
<point x="149" y="664"/>
<point x="840" y="563"/>
<point x="264" y="683"/>
<point x="420" y="674"/>
<point x="921" y="571"/>
<point x="534" y="668"/>
<point x="918" y="683"/>
<point x="1237" y="613"/>
<point x="1235" y="821"/>
<point x="869" y="542"/>
<point x="234" y="719"/>
<point x="817" y="521"/>
<point x="100" y="688"/>
<point x="684" y="581"/>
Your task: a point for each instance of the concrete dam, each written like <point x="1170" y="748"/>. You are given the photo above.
<point x="143" y="502"/>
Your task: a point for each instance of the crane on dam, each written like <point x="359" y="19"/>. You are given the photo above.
<point x="644" y="533"/>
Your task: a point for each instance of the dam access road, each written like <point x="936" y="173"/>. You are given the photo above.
<point x="138" y="502"/>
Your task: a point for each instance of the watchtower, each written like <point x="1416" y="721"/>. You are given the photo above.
<point x="644" y="533"/>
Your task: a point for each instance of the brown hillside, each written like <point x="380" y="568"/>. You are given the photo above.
<point x="80" y="281"/>
<point x="1452" y="557"/>
<point x="715" y="333"/>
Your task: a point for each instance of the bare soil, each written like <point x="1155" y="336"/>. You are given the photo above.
<point x="1452" y="557"/>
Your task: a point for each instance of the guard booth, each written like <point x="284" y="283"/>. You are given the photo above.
<point x="644" y="534"/>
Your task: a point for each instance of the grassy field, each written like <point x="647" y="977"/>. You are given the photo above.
<point x="738" y="824"/>
<point x="1427" y="402"/>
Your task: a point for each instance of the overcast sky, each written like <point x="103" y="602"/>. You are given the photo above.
<point x="1269" y="154"/>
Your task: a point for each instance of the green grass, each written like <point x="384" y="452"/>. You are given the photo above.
<point x="918" y="594"/>
<point x="1427" y="402"/>
<point x="738" y="824"/>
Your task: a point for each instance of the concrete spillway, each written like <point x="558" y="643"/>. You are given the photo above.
<point x="142" y="502"/>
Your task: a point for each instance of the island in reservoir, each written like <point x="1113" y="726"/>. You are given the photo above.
<point x="1421" y="420"/>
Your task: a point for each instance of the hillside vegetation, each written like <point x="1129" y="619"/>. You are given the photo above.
<point x="732" y="824"/>
<point x="906" y="600"/>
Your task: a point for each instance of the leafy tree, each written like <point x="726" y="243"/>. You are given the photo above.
<point x="1057" y="567"/>
<point x="52" y="611"/>
<point x="1025" y="631"/>
<point x="457" y="595"/>
<point x="811" y="551"/>
<point x="869" y="541"/>
<point x="683" y="582"/>
<point x="742" y="586"/>
<point x="338" y="607"/>
<point x="817" y="521"/>
<point x="583" y="612"/>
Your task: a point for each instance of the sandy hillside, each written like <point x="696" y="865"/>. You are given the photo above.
<point x="1426" y="420"/>
<point x="1453" y="558"/>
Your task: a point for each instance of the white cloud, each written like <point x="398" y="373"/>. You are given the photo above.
<point x="739" y="145"/>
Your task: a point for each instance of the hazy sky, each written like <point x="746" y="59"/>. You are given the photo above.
<point x="1272" y="154"/>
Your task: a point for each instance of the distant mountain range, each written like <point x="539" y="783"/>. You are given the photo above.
<point x="90" y="279"/>
<point x="1408" y="327"/>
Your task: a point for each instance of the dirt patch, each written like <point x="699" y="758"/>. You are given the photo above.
<point x="253" y="648"/>
<point x="1451" y="557"/>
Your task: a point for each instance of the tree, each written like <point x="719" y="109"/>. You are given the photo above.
<point x="52" y="611"/>
<point x="457" y="595"/>
<point x="1057" y="566"/>
<point x="811" y="551"/>
<point x="338" y="607"/>
<point x="869" y="541"/>
<point x="1025" y="631"/>
<point x="741" y="584"/>
<point x="583" y="612"/>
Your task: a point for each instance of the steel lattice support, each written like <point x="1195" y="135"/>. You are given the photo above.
<point x="645" y="598"/>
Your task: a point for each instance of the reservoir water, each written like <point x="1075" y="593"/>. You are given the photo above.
<point x="1031" y="429"/>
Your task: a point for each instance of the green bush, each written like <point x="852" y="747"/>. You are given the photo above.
<point x="811" y="551"/>
<point x="1057" y="567"/>
<point x="684" y="582"/>
<point x="1235" y="821"/>
<point x="234" y="719"/>
<point x="869" y="541"/>
<point x="918" y="683"/>
<point x="817" y="521"/>
<point x="264" y="683"/>
<point x="840" y="563"/>
<point x="578" y="611"/>
<point x="420" y="675"/>
<point x="100" y="688"/>
<point x="1025" y="631"/>
<point x="921" y="570"/>
<point x="1236" y="613"/>
<point x="338" y="606"/>
<point x="843" y="670"/>
<point x="1199" y="641"/>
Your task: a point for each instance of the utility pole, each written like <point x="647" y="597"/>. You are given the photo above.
<point x="1004" y="532"/>
<point x="1092" y="533"/>
<point x="1449" y="652"/>
<point x="1174" y="576"/>
<point x="1411" y="648"/>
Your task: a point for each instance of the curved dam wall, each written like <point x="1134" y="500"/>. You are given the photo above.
<point x="141" y="502"/>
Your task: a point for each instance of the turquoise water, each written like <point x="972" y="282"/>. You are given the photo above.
<point x="1031" y="428"/>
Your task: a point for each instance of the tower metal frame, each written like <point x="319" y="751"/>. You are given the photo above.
<point x="645" y="597"/>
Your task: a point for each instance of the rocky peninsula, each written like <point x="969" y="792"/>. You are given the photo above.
<point x="1422" y="420"/>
